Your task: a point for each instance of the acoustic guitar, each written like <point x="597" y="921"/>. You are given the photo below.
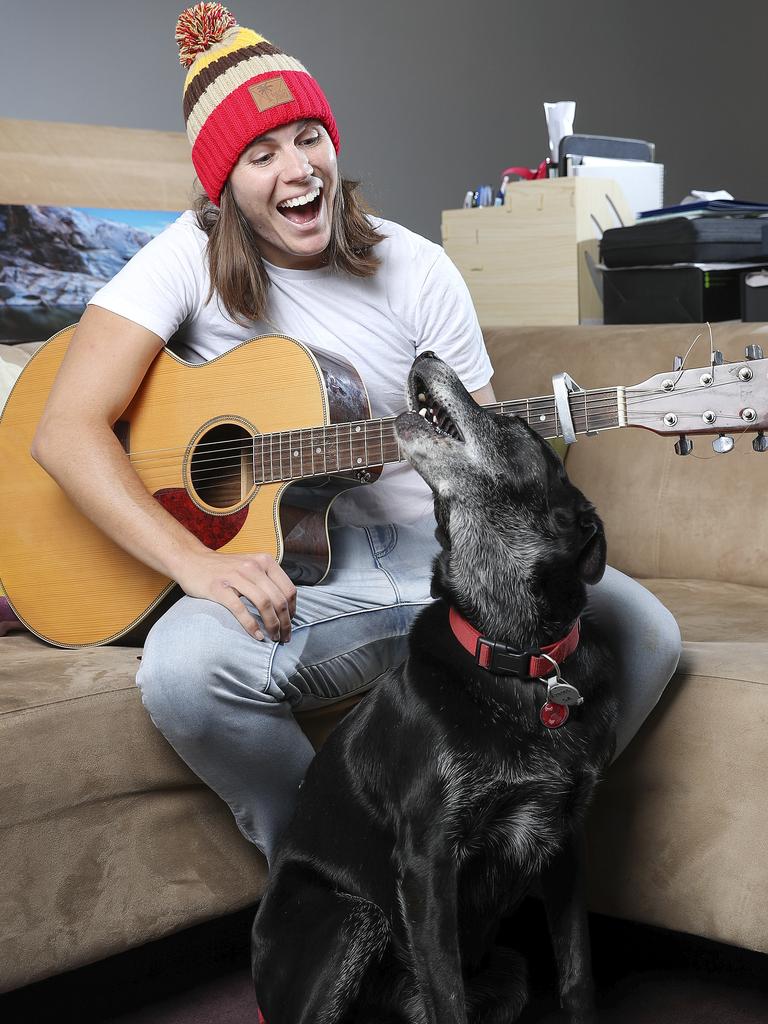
<point x="249" y="451"/>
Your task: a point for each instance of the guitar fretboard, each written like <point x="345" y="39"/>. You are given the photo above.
<point x="358" y="445"/>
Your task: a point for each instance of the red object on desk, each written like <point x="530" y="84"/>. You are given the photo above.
<point x="529" y="173"/>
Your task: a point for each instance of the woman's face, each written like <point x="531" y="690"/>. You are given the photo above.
<point x="295" y="161"/>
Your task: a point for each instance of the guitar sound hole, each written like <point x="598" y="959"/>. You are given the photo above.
<point x="221" y="467"/>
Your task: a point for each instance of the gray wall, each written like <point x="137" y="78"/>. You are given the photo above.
<point x="434" y="97"/>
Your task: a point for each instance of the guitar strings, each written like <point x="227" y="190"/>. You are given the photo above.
<point x="601" y="402"/>
<point x="593" y="419"/>
<point x="607" y="398"/>
<point x="610" y="394"/>
<point x="226" y="451"/>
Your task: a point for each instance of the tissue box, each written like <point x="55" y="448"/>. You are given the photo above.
<point x="754" y="295"/>
<point x="534" y="260"/>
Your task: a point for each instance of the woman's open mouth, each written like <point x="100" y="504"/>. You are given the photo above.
<point x="431" y="411"/>
<point x="302" y="209"/>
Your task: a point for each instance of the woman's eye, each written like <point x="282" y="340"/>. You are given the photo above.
<point x="311" y="139"/>
<point x="260" y="160"/>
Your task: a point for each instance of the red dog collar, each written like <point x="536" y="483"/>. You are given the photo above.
<point x="504" y="660"/>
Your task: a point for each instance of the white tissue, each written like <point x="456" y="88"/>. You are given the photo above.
<point x="559" y="117"/>
<point x="698" y="196"/>
<point x="757" y="279"/>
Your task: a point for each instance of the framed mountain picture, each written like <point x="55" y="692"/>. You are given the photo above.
<point x="54" y="258"/>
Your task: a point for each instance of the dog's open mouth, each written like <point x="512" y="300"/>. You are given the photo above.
<point x="431" y="411"/>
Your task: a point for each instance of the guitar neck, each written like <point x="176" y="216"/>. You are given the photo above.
<point x="359" y="445"/>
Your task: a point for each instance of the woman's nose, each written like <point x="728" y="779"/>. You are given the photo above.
<point x="297" y="165"/>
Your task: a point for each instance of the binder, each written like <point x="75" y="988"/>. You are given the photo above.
<point x="574" y="146"/>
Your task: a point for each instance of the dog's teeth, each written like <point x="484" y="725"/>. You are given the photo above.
<point x="423" y="412"/>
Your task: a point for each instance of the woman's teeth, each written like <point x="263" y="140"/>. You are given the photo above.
<point x="300" y="200"/>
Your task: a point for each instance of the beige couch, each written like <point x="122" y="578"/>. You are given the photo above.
<point x="107" y="840"/>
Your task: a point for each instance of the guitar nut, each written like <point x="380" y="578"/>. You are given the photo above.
<point x="709" y="416"/>
<point x="749" y="415"/>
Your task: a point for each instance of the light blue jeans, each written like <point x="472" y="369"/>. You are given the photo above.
<point x="225" y="701"/>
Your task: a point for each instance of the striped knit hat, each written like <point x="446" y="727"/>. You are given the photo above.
<point x="238" y="87"/>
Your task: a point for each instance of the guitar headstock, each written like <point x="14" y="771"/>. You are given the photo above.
<point x="717" y="399"/>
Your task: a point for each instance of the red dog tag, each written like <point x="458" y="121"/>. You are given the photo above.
<point x="554" y="715"/>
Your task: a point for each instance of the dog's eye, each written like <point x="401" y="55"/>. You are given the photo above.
<point x="561" y="518"/>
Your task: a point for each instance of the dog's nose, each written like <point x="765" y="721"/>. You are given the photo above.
<point x="429" y="355"/>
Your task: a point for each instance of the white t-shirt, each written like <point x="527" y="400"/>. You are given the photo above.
<point x="416" y="301"/>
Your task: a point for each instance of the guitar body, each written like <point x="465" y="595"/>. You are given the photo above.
<point x="72" y="585"/>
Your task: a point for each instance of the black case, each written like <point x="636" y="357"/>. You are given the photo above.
<point x="671" y="295"/>
<point x="686" y="240"/>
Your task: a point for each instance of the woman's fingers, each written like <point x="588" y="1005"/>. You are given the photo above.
<point x="228" y="595"/>
<point x="272" y="603"/>
<point x="232" y="579"/>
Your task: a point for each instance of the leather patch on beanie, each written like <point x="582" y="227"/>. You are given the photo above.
<point x="270" y="93"/>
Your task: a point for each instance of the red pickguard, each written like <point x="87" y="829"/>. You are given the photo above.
<point x="213" y="531"/>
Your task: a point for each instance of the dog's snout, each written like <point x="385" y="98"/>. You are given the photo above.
<point x="429" y="355"/>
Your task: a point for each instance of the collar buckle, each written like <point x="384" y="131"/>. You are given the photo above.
<point x="503" y="660"/>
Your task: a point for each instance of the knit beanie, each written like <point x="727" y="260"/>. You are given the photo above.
<point x="238" y="87"/>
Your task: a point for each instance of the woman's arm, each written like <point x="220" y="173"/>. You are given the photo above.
<point x="106" y="362"/>
<point x="484" y="395"/>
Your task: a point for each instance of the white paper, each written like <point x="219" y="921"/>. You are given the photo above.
<point x="641" y="182"/>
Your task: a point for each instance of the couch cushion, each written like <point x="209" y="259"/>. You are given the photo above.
<point x="107" y="838"/>
<point x="677" y="833"/>
<point x="708" y="611"/>
<point x="73" y="729"/>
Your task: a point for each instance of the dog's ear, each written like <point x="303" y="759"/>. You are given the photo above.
<point x="593" y="552"/>
<point x="438" y="586"/>
<point x="441" y="561"/>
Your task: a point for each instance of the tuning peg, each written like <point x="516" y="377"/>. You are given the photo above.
<point x="677" y="364"/>
<point x="753" y="352"/>
<point x="717" y="358"/>
<point x="684" y="446"/>
<point x="723" y="444"/>
<point x="760" y="442"/>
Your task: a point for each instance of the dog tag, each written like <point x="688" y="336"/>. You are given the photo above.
<point x="560" y="692"/>
<point x="554" y="715"/>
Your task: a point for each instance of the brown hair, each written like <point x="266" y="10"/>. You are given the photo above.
<point x="237" y="272"/>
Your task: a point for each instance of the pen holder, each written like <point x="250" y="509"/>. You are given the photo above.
<point x="534" y="260"/>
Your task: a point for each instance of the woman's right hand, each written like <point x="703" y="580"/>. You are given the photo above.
<point x="228" y="578"/>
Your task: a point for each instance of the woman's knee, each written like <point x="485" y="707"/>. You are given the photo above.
<point x="666" y="640"/>
<point x="193" y="664"/>
<point x="642" y="631"/>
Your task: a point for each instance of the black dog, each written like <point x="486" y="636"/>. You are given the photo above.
<point x="463" y="778"/>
